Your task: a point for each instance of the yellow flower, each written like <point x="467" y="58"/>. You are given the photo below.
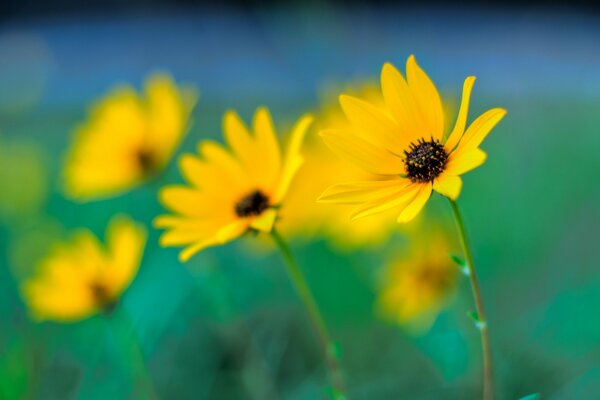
<point x="404" y="145"/>
<point x="128" y="138"/>
<point x="83" y="277"/>
<point x="231" y="192"/>
<point x="416" y="287"/>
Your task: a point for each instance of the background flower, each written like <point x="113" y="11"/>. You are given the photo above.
<point x="419" y="282"/>
<point x="128" y="138"/>
<point x="83" y="277"/>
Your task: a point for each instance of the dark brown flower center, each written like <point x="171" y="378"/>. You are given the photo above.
<point x="252" y="204"/>
<point x="102" y="297"/>
<point x="146" y="160"/>
<point x="435" y="278"/>
<point x="425" y="160"/>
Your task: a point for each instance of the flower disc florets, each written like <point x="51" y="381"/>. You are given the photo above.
<point x="425" y="160"/>
<point x="251" y="205"/>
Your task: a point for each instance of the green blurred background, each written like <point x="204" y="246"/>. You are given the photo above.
<point x="228" y="325"/>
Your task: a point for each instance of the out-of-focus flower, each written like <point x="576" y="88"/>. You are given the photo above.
<point x="231" y="192"/>
<point x="405" y="145"/>
<point x="415" y="287"/>
<point x="302" y="216"/>
<point x="128" y="138"/>
<point x="82" y="277"/>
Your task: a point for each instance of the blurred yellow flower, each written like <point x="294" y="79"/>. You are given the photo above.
<point x="128" y="138"/>
<point x="301" y="216"/>
<point x="231" y="192"/>
<point x="416" y="287"/>
<point x="83" y="277"/>
<point x="405" y="146"/>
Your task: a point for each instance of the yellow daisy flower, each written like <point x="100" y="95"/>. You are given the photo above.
<point x="416" y="287"/>
<point x="82" y="277"/>
<point x="128" y="138"/>
<point x="404" y="145"/>
<point x="231" y="192"/>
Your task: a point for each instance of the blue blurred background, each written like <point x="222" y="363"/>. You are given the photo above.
<point x="228" y="325"/>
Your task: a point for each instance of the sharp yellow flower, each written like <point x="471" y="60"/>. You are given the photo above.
<point x="128" y="138"/>
<point x="405" y="145"/>
<point x="83" y="277"/>
<point x="416" y="287"/>
<point x="231" y="192"/>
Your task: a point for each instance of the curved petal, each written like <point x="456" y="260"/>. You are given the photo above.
<point x="293" y="159"/>
<point x="190" y="202"/>
<point x="461" y="120"/>
<point x="361" y="192"/>
<point x="448" y="185"/>
<point x="416" y="205"/>
<point x="224" y="235"/>
<point x="365" y="155"/>
<point x="465" y="161"/>
<point x="401" y="197"/>
<point x="479" y="129"/>
<point x="265" y="221"/>
<point x="267" y="143"/>
<point x="372" y="123"/>
<point x="399" y="99"/>
<point x="126" y="241"/>
<point x="427" y="98"/>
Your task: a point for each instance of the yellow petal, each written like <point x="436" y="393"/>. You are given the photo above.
<point x="414" y="207"/>
<point x="226" y="169"/>
<point x="461" y="120"/>
<point x="224" y="235"/>
<point x="427" y="98"/>
<point x="60" y="303"/>
<point x="404" y="195"/>
<point x="168" y="114"/>
<point x="265" y="221"/>
<point x="479" y="129"/>
<point x="293" y="159"/>
<point x="190" y="202"/>
<point x="363" y="154"/>
<point x="126" y="241"/>
<point x="371" y="123"/>
<point x="361" y="192"/>
<point x="448" y="185"/>
<point x="465" y="161"/>
<point x="267" y="144"/>
<point x="400" y="101"/>
<point x="239" y="139"/>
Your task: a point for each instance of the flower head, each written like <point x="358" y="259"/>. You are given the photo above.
<point x="416" y="287"/>
<point x="405" y="146"/>
<point x="233" y="191"/>
<point x="83" y="277"/>
<point x="128" y="138"/>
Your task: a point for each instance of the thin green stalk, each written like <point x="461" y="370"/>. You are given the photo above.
<point x="303" y="290"/>
<point x="488" y="390"/>
<point x="123" y="330"/>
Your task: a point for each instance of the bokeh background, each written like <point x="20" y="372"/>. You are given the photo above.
<point x="228" y="325"/>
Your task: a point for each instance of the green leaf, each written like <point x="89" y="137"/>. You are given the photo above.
<point x="479" y="324"/>
<point x="462" y="264"/>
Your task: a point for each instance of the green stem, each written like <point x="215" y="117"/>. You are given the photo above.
<point x="303" y="290"/>
<point x="488" y="391"/>
<point x="129" y="346"/>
